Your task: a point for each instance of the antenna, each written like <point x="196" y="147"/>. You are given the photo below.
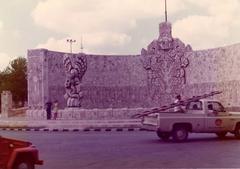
<point x="81" y="47"/>
<point x="165" y="10"/>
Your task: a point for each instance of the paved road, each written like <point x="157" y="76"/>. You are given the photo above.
<point x="135" y="150"/>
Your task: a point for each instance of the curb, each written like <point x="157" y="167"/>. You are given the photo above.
<point x="74" y="130"/>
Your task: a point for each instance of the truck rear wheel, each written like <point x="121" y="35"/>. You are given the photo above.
<point x="180" y="134"/>
<point x="163" y="135"/>
<point x="237" y="132"/>
<point x="221" y="135"/>
<point x="23" y="164"/>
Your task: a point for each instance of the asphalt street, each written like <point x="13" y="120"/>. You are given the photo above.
<point x="130" y="150"/>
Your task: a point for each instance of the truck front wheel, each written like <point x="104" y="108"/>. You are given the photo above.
<point x="237" y="132"/>
<point x="180" y="134"/>
<point x="23" y="164"/>
<point x="163" y="135"/>
<point x="221" y="135"/>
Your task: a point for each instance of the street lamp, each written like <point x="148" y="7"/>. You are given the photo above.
<point x="81" y="47"/>
<point x="71" y="41"/>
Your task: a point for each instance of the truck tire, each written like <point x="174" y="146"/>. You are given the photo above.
<point x="180" y="134"/>
<point x="221" y="135"/>
<point x="163" y="135"/>
<point x="237" y="132"/>
<point x="23" y="164"/>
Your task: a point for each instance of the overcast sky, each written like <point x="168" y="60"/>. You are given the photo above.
<point x="113" y="26"/>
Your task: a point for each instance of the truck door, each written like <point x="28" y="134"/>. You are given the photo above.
<point x="195" y="108"/>
<point x="4" y="152"/>
<point x="216" y="117"/>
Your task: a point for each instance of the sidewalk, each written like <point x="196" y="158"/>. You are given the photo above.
<point x="22" y="123"/>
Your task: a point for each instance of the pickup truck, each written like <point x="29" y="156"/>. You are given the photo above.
<point x="16" y="154"/>
<point x="200" y="116"/>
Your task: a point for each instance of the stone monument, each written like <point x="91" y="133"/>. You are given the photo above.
<point x="116" y="86"/>
<point x="6" y="103"/>
<point x="165" y="61"/>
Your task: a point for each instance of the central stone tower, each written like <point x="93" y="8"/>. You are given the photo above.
<point x="165" y="61"/>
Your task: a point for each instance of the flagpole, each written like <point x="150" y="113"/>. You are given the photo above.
<point x="165" y="10"/>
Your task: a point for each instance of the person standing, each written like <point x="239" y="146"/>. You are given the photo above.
<point x="55" y="110"/>
<point x="49" y="110"/>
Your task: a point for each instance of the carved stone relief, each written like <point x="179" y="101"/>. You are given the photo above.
<point x="35" y="76"/>
<point x="165" y="60"/>
<point x="75" y="67"/>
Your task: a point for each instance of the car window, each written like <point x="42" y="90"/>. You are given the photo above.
<point x="197" y="105"/>
<point x="215" y="106"/>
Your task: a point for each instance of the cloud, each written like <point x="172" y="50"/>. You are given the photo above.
<point x="101" y="22"/>
<point x="1" y="25"/>
<point x="217" y="25"/>
<point x="92" y="42"/>
<point x="108" y="24"/>
<point x="96" y="15"/>
<point x="54" y="44"/>
<point x="5" y="60"/>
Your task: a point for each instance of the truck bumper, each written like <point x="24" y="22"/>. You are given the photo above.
<point x="149" y="127"/>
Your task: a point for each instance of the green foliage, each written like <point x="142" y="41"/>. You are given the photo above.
<point x="14" y="79"/>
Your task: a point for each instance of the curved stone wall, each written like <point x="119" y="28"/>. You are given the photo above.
<point x="110" y="81"/>
<point x="215" y="69"/>
<point x="167" y="67"/>
<point x="214" y="65"/>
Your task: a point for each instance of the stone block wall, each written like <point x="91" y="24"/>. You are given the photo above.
<point x="215" y="69"/>
<point x="37" y="79"/>
<point x="115" y="82"/>
<point x="6" y="103"/>
<point x="109" y="82"/>
<point x="122" y="81"/>
<point x="214" y="65"/>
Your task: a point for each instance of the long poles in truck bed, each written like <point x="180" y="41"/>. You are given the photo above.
<point x="172" y="105"/>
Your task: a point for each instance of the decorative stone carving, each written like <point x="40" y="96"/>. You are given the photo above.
<point x="75" y="68"/>
<point x="165" y="60"/>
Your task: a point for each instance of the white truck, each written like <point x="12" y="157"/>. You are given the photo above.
<point x="200" y="116"/>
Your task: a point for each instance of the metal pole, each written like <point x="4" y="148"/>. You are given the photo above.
<point x="165" y="10"/>
<point x="81" y="45"/>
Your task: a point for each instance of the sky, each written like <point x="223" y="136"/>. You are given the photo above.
<point x="112" y="26"/>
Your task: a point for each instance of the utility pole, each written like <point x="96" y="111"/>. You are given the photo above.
<point x="71" y="41"/>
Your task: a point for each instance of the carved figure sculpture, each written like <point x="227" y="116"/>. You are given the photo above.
<point x="165" y="61"/>
<point x="75" y="68"/>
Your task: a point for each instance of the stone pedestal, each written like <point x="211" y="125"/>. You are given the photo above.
<point x="6" y="99"/>
<point x="88" y="114"/>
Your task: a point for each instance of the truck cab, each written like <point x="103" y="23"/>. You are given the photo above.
<point x="17" y="154"/>
<point x="216" y="118"/>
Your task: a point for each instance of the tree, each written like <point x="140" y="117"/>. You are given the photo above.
<point x="14" y="78"/>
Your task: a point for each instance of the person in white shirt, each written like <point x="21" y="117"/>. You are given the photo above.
<point x="55" y="110"/>
<point x="178" y="109"/>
